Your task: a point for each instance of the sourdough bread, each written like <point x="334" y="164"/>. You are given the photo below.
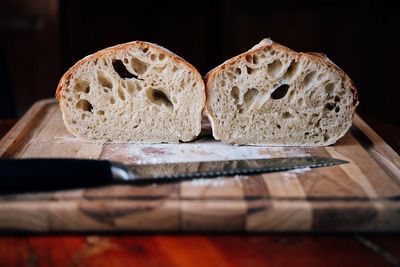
<point x="271" y="95"/>
<point x="133" y="92"/>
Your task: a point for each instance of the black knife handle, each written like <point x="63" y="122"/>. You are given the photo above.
<point x="35" y="175"/>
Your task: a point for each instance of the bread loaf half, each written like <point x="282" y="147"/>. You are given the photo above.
<point x="271" y="95"/>
<point x="133" y="92"/>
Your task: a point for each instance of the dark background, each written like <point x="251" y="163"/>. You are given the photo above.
<point x="41" y="39"/>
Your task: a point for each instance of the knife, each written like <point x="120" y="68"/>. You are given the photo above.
<point x="38" y="174"/>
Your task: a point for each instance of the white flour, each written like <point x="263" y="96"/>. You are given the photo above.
<point x="209" y="150"/>
<point x="292" y="174"/>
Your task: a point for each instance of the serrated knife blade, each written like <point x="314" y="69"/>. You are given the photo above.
<point x="33" y="175"/>
<point x="169" y="172"/>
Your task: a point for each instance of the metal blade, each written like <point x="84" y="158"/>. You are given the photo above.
<point x="156" y="173"/>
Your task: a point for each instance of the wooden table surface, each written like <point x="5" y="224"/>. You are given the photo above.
<point x="208" y="249"/>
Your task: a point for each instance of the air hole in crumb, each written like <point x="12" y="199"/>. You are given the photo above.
<point x="231" y="75"/>
<point x="308" y="79"/>
<point x="138" y="87"/>
<point x="306" y="133"/>
<point x="145" y="50"/>
<point x="337" y="109"/>
<point x="84" y="105"/>
<point x="161" y="56"/>
<point x="292" y="70"/>
<point x="100" y="112"/>
<point x="104" y="81"/>
<point x="255" y="59"/>
<point x="121" y="70"/>
<point x="131" y="87"/>
<point x="329" y="88"/>
<point x="287" y="115"/>
<point x="249" y="70"/>
<point x="278" y="126"/>
<point x="300" y="101"/>
<point x="330" y="106"/>
<point x="235" y="93"/>
<point x="238" y="71"/>
<point x="280" y="92"/>
<point x="153" y="57"/>
<point x="182" y="84"/>
<point x="252" y="59"/>
<point x="274" y="67"/>
<point x="320" y="76"/>
<point x="82" y="86"/>
<point x="249" y="96"/>
<point x="139" y="66"/>
<point x="337" y="99"/>
<point x="248" y="99"/>
<point x="326" y="137"/>
<point x="121" y="94"/>
<point x="126" y="61"/>
<point x="158" y="97"/>
<point x="112" y="100"/>
<point x="272" y="52"/>
<point x="249" y="58"/>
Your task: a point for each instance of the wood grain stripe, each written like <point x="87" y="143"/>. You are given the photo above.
<point x="203" y="215"/>
<point x="354" y="173"/>
<point x="14" y="141"/>
<point x="377" y="148"/>
<point x="275" y="215"/>
<point x="329" y="181"/>
<point x="254" y="187"/>
<point x="281" y="215"/>
<point x="380" y="180"/>
<point x="283" y="184"/>
<point x="229" y="187"/>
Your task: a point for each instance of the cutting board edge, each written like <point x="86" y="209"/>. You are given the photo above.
<point x="194" y="216"/>
<point x="23" y="124"/>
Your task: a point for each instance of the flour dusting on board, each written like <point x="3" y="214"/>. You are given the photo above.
<point x="203" y="149"/>
<point x="216" y="182"/>
<point x="292" y="174"/>
<point x="65" y="139"/>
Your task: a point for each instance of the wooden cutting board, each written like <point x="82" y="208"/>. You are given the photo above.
<point x="363" y="195"/>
